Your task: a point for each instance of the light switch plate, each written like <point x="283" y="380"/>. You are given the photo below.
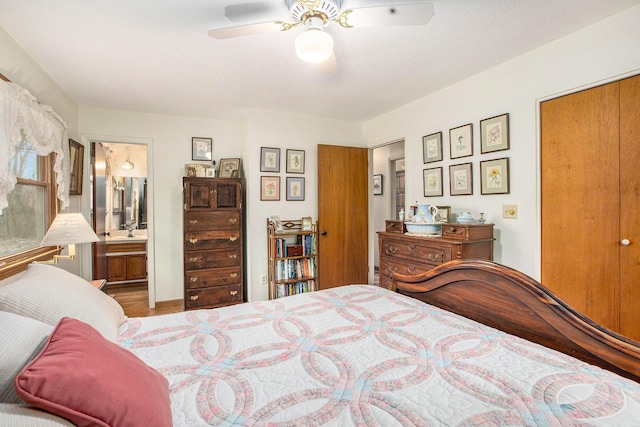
<point x="510" y="211"/>
<point x="263" y="279"/>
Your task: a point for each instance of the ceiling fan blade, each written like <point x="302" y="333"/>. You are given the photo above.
<point x="391" y="15"/>
<point x="244" y="30"/>
<point x="259" y="10"/>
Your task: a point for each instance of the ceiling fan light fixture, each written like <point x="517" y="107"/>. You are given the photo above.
<point x="314" y="45"/>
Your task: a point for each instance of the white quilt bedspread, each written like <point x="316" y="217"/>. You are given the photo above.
<point x="362" y="355"/>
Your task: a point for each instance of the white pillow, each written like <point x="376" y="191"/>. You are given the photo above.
<point x="21" y="339"/>
<point x="23" y="415"/>
<point x="47" y="293"/>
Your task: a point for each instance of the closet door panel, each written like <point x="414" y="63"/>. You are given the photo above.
<point x="580" y="199"/>
<point x="629" y="206"/>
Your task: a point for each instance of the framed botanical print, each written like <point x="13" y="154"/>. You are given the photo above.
<point x="494" y="134"/>
<point x="201" y="148"/>
<point x="295" y="161"/>
<point x="461" y="179"/>
<point x="432" y="182"/>
<point x="377" y="185"/>
<point x="495" y="176"/>
<point x="432" y="147"/>
<point x="461" y="141"/>
<point x="269" y="188"/>
<point x="295" y="188"/>
<point x="269" y="159"/>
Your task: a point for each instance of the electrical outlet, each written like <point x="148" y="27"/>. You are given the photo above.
<point x="510" y="211"/>
<point x="263" y="279"/>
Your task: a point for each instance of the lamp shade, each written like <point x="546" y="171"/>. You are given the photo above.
<point x="69" y="228"/>
<point x="314" y="46"/>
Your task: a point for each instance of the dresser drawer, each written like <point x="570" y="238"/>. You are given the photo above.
<point x="213" y="297"/>
<point x="416" y="251"/>
<point x="212" y="277"/>
<point x="394" y="226"/>
<point x="211" y="239"/>
<point x="195" y="260"/>
<point x="390" y="266"/>
<point x="467" y="231"/>
<point x="194" y="221"/>
<point x="126" y="247"/>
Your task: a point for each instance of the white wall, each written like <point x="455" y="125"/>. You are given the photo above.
<point x="268" y="129"/>
<point x="605" y="51"/>
<point x="169" y="143"/>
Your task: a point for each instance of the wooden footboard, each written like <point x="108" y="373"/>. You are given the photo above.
<point x="511" y="301"/>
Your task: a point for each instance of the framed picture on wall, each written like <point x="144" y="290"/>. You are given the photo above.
<point x="270" y="188"/>
<point x="377" y="184"/>
<point x="495" y="176"/>
<point x="432" y="182"/>
<point x="76" y="167"/>
<point x="295" y="188"/>
<point x="295" y="161"/>
<point x="494" y="134"/>
<point x="201" y="148"/>
<point x="461" y="141"/>
<point x="461" y="179"/>
<point x="269" y="159"/>
<point x="432" y="147"/>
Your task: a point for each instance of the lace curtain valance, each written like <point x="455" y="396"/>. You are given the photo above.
<point x="23" y="118"/>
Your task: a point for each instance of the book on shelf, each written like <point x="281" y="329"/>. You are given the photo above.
<point x="286" y="289"/>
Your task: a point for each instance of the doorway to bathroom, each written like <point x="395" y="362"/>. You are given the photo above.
<point x="120" y="212"/>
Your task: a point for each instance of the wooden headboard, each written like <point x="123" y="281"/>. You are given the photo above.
<point x="513" y="302"/>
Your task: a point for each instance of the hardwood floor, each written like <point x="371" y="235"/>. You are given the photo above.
<point x="136" y="303"/>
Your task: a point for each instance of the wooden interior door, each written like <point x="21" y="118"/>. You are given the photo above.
<point x="342" y="215"/>
<point x="580" y="201"/>
<point x="629" y="204"/>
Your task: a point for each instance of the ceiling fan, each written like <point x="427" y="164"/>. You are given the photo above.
<point x="314" y="45"/>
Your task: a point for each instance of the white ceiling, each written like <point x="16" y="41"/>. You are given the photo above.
<point x="155" y="55"/>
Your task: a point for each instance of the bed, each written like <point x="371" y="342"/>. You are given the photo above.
<point x="353" y="355"/>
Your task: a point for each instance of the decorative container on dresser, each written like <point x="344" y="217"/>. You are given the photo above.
<point x="413" y="254"/>
<point x="213" y="243"/>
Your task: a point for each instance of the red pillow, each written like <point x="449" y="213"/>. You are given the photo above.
<point x="81" y="376"/>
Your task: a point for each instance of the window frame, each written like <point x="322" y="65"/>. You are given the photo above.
<point x="15" y="263"/>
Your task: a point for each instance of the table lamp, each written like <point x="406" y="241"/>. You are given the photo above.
<point x="68" y="229"/>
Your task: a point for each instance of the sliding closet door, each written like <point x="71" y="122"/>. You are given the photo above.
<point x="580" y="171"/>
<point x="630" y="207"/>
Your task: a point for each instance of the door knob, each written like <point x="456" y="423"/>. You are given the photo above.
<point x="323" y="233"/>
<point x="625" y="242"/>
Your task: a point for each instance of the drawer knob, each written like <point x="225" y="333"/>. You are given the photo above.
<point x="233" y="238"/>
<point x="193" y="259"/>
<point x="432" y="257"/>
<point x="233" y="293"/>
<point x="193" y="221"/>
<point x="193" y="241"/>
<point x="625" y="242"/>
<point x="392" y="249"/>
<point x="194" y="297"/>
<point x="233" y="220"/>
<point x="233" y="256"/>
<point x="233" y="275"/>
<point x="194" y="279"/>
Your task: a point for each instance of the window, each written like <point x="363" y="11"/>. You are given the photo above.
<point x="32" y="206"/>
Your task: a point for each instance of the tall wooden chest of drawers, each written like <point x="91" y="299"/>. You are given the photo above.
<point x="407" y="254"/>
<point x="213" y="247"/>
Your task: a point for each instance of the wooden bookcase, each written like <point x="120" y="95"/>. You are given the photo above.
<point x="293" y="255"/>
